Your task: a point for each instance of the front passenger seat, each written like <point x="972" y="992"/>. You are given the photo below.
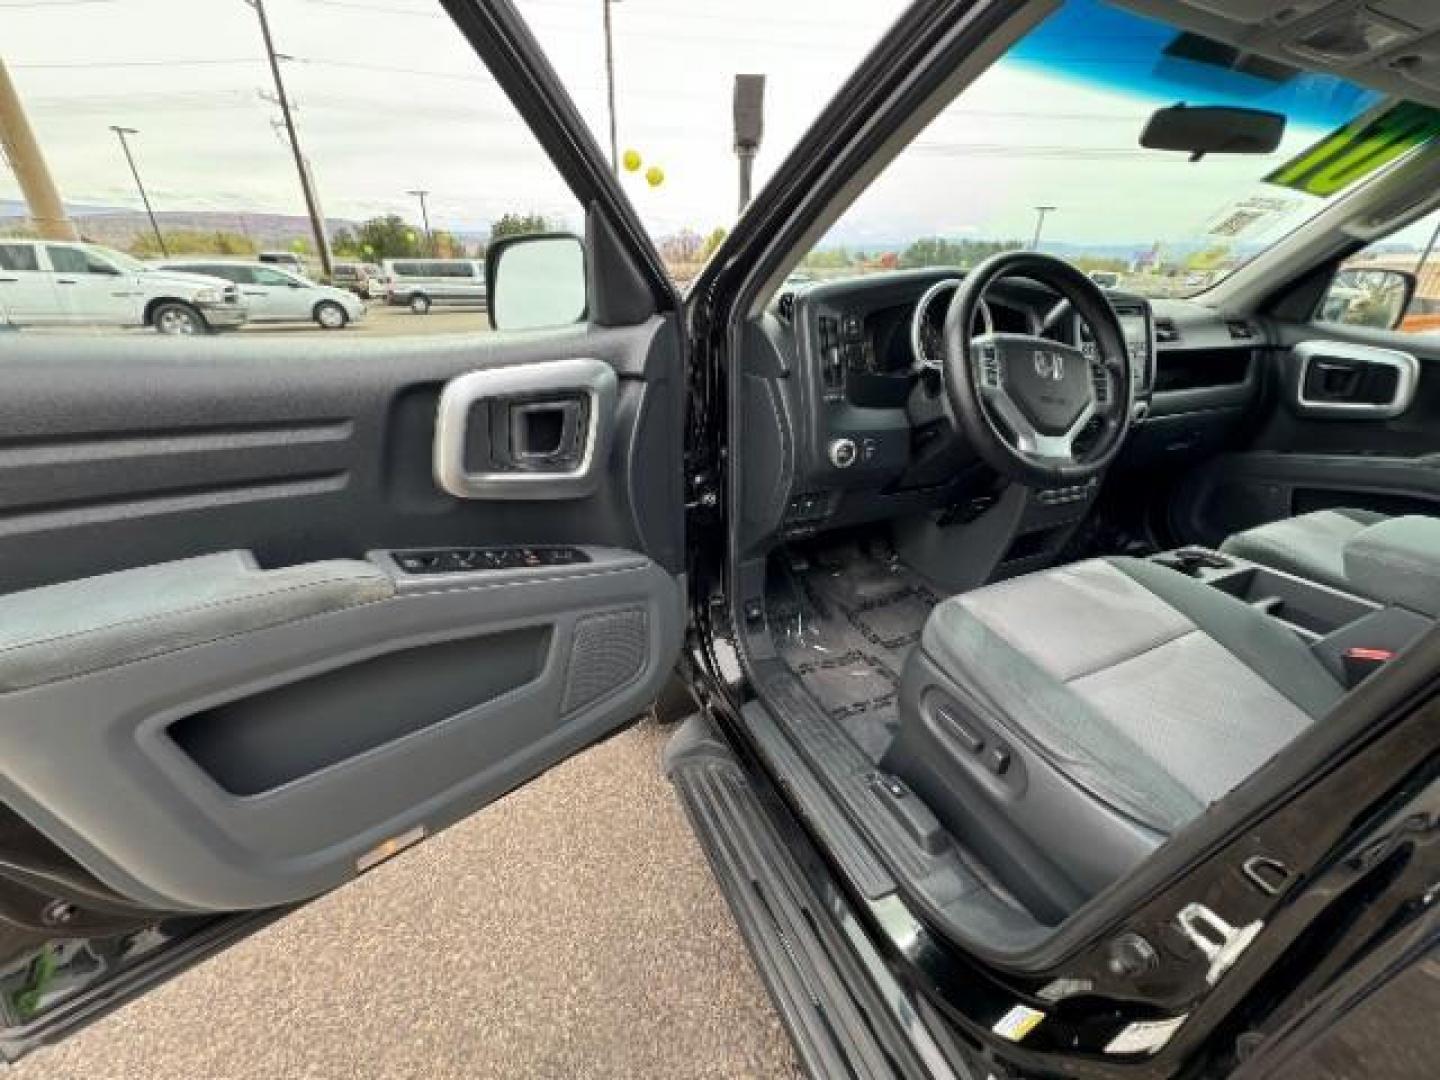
<point x="1064" y="724"/>
<point x="1311" y="546"/>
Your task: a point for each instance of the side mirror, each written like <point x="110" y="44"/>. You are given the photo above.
<point x="534" y="281"/>
<point x="1378" y="298"/>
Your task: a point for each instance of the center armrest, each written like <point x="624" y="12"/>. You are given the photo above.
<point x="1398" y="561"/>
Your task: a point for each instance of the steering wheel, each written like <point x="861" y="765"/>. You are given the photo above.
<point x="1023" y="401"/>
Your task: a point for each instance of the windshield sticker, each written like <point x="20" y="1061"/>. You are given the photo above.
<point x="1241" y="217"/>
<point x="1358" y="149"/>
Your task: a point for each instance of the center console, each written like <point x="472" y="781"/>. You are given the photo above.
<point x="1349" y="634"/>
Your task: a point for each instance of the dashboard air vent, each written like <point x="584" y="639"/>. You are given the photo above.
<point x="785" y="306"/>
<point x="1240" y="330"/>
<point x="1166" y="330"/>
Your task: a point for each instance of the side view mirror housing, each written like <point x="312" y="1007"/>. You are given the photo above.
<point x="1375" y="297"/>
<point x="535" y="280"/>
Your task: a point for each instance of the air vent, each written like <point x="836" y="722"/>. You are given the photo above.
<point x="1166" y="330"/>
<point x="1240" y="330"/>
<point x="785" y="306"/>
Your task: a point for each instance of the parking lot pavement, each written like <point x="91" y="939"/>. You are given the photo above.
<point x="385" y="320"/>
<point x="572" y="930"/>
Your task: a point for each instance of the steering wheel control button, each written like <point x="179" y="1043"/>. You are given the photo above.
<point x="843" y="453"/>
<point x="989" y="366"/>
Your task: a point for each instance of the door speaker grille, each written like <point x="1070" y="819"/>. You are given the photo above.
<point x="608" y="651"/>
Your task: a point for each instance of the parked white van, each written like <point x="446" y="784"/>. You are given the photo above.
<point x="421" y="283"/>
<point x="57" y="282"/>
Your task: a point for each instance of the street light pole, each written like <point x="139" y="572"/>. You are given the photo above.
<point x="1040" y="213"/>
<point x="610" y="88"/>
<point x="420" y="194"/>
<point x="749" y="117"/>
<point x="312" y="204"/>
<point x="120" y="133"/>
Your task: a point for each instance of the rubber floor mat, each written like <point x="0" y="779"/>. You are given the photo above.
<point x="845" y="618"/>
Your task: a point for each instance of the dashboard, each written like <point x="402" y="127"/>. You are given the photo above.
<point x="863" y="426"/>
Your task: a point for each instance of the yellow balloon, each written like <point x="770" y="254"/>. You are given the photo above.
<point x="654" y="176"/>
<point x="631" y="160"/>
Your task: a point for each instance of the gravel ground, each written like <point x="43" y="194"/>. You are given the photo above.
<point x="571" y="930"/>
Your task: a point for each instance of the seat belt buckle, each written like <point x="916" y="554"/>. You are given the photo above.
<point x="1362" y="662"/>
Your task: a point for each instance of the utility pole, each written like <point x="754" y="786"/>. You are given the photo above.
<point x="120" y="133"/>
<point x="610" y="88"/>
<point x="1040" y="213"/>
<point x="17" y="139"/>
<point x="420" y="194"/>
<point x="312" y="204"/>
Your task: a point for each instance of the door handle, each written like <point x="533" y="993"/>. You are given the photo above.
<point x="526" y="431"/>
<point x="1336" y="380"/>
<point x="9" y="280"/>
<point x="65" y="281"/>
<point x="546" y="435"/>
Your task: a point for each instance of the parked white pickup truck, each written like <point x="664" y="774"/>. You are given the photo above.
<point x="54" y="282"/>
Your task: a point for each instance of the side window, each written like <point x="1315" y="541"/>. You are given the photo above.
<point x="67" y="260"/>
<point x="406" y="143"/>
<point x="262" y="275"/>
<point x="18" y="257"/>
<point x="1392" y="284"/>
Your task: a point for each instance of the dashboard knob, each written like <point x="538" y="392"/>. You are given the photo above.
<point x="842" y="453"/>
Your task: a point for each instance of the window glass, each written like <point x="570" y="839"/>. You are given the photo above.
<point x="263" y="275"/>
<point x="1393" y="284"/>
<point x="674" y="66"/>
<point x="411" y="149"/>
<point x="67" y="260"/>
<point x="1044" y="150"/>
<point x="18" y="257"/>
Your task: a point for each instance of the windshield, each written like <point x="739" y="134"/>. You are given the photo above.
<point x="1044" y="150"/>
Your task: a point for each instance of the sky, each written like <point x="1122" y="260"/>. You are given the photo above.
<point x="391" y="98"/>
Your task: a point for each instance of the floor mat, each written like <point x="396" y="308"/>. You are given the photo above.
<point x="845" y="618"/>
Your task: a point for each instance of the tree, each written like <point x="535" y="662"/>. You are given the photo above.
<point x="446" y="245"/>
<point x="518" y="225"/>
<point x="681" y="247"/>
<point x="387" y="237"/>
<point x="937" y="251"/>
<point x="828" y="259"/>
<point x="712" y="241"/>
<point x="191" y="242"/>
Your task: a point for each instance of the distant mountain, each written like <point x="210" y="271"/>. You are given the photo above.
<point x="119" y="225"/>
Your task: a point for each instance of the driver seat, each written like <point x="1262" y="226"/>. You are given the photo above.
<point x="1063" y="724"/>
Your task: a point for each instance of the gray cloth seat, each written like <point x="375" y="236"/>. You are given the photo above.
<point x="1112" y="700"/>
<point x="1311" y="546"/>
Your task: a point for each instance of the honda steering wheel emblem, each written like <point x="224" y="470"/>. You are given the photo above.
<point x="1049" y="365"/>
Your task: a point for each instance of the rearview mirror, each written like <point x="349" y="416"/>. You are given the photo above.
<point x="1213" y="129"/>
<point x="1378" y="298"/>
<point x="535" y="281"/>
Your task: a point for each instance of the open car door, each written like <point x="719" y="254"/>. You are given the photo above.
<point x="276" y="608"/>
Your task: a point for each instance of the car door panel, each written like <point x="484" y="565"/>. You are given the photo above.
<point x="1308" y="454"/>
<point x="250" y="730"/>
